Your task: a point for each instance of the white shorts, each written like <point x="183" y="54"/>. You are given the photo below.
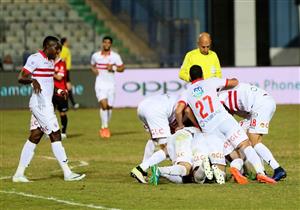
<point x="233" y="133"/>
<point x="44" y="118"/>
<point x="261" y="115"/>
<point x="179" y="146"/>
<point x="207" y="144"/>
<point x="156" y="122"/>
<point x="108" y="94"/>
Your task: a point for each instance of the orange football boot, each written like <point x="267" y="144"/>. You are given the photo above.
<point x="239" y="178"/>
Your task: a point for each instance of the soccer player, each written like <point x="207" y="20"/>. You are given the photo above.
<point x="38" y="72"/>
<point x="158" y="116"/>
<point x="202" y="56"/>
<point x="212" y="117"/>
<point x="67" y="57"/>
<point x="104" y="65"/>
<point x="191" y="152"/>
<point x="60" y="86"/>
<point x="259" y="107"/>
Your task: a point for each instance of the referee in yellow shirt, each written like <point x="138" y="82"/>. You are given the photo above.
<point x="203" y="57"/>
<point x="66" y="56"/>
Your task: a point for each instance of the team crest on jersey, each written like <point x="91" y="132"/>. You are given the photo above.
<point x="197" y="91"/>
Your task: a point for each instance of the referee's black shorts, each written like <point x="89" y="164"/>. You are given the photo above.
<point x="60" y="103"/>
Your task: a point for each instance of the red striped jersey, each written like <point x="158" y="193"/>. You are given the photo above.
<point x="61" y="70"/>
<point x="101" y="61"/>
<point x="41" y="69"/>
<point x="242" y="97"/>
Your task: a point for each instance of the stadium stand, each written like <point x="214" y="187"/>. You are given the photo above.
<point x="27" y="22"/>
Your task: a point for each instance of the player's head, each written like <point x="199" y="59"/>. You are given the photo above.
<point x="64" y="41"/>
<point x="106" y="43"/>
<point x="204" y="43"/>
<point x="51" y="46"/>
<point x="196" y="72"/>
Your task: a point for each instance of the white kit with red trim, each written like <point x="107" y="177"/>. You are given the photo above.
<point x="242" y="97"/>
<point x="41" y="69"/>
<point x="105" y="78"/>
<point x="202" y="98"/>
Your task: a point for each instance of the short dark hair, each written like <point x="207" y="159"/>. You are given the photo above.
<point x="63" y="40"/>
<point x="49" y="39"/>
<point x="196" y="72"/>
<point x="107" y="37"/>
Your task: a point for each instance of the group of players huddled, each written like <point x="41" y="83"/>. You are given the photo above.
<point x="197" y="130"/>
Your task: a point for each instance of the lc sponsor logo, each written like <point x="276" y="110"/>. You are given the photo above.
<point x="150" y="87"/>
<point x="197" y="91"/>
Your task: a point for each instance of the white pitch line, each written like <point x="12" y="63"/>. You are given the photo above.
<point x="57" y="200"/>
<point x="5" y="177"/>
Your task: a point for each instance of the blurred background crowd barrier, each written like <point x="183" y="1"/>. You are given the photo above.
<point x="135" y="84"/>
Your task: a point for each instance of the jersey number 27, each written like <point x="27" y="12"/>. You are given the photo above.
<point x="200" y="105"/>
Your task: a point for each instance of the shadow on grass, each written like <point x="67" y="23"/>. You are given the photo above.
<point x="116" y="133"/>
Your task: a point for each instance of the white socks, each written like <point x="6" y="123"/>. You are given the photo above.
<point x="254" y="159"/>
<point x="60" y="154"/>
<point x="156" y="158"/>
<point x="26" y="157"/>
<point x="173" y="170"/>
<point x="173" y="173"/>
<point x="237" y="163"/>
<point x="109" y="114"/>
<point x="266" y="155"/>
<point x="104" y="118"/>
<point x="149" y="150"/>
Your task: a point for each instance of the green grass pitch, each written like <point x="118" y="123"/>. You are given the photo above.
<point x="108" y="184"/>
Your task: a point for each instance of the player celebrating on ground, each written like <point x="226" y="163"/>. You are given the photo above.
<point x="212" y="117"/>
<point x="259" y="108"/>
<point x="104" y="64"/>
<point x="38" y="72"/>
<point x="60" y="86"/>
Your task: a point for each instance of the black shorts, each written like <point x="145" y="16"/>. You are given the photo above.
<point x="68" y="76"/>
<point x="60" y="103"/>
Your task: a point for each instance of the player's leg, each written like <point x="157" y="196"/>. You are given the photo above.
<point x="28" y="152"/>
<point x="174" y="173"/>
<point x="62" y="106"/>
<point x="70" y="92"/>
<point x="102" y="96"/>
<point x="239" y="139"/>
<point x="260" y="126"/>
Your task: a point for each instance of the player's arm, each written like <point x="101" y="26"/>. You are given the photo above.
<point x="94" y="69"/>
<point x="58" y="77"/>
<point x="184" y="70"/>
<point x="179" y="114"/>
<point x="190" y="115"/>
<point x="25" y="79"/>
<point x="231" y="83"/>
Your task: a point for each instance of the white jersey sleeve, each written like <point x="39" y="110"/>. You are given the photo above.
<point x="117" y="60"/>
<point x="31" y="63"/>
<point x="218" y="83"/>
<point x="93" y="60"/>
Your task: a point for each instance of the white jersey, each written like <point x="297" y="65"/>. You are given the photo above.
<point x="41" y="69"/>
<point x="242" y="98"/>
<point x="105" y="78"/>
<point x="158" y="114"/>
<point x="202" y="98"/>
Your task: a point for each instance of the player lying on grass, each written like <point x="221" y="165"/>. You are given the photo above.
<point x="192" y="154"/>
<point x="257" y="107"/>
<point x="212" y="117"/>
